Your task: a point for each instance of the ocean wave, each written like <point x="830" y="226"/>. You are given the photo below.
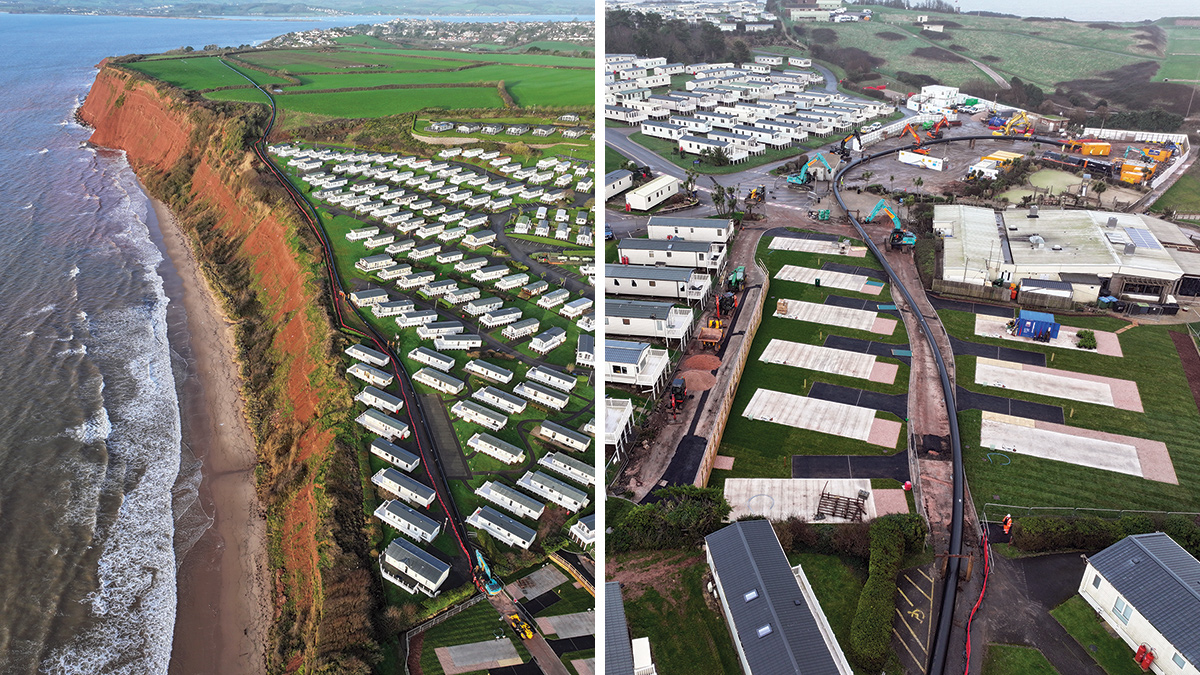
<point x="73" y="272"/>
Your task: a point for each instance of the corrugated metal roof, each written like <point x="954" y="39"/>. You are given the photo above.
<point x="747" y="557"/>
<point x="618" y="652"/>
<point x="1162" y="582"/>
<point x="664" y="245"/>
<point x="419" y="562"/>
<point x="622" y="351"/>
<point x="503" y="522"/>
<point x="648" y="272"/>
<point x="675" y="221"/>
<point x="569" y="433"/>
<point x="636" y="309"/>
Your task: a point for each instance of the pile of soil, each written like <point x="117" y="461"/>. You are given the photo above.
<point x="706" y="362"/>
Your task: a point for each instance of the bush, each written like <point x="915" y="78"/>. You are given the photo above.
<point x="1045" y="534"/>
<point x="1087" y="339"/>
<point x="871" y="630"/>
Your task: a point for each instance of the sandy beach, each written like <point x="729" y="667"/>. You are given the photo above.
<point x="223" y="604"/>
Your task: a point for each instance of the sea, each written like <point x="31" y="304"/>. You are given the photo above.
<point x="98" y="489"/>
<point x="1086" y="10"/>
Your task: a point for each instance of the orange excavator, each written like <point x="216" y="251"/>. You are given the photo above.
<point x="908" y="129"/>
<point x="936" y="132"/>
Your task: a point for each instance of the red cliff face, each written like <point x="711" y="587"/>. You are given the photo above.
<point x="157" y="129"/>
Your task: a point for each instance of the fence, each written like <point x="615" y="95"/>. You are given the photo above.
<point x="896" y="127"/>
<point x="440" y="618"/>
<point x="743" y="354"/>
<point x="978" y="291"/>
<point x="994" y="513"/>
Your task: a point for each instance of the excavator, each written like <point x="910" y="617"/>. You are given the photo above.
<point x="899" y="237"/>
<point x="757" y="195"/>
<point x="908" y="129"/>
<point x="1010" y="127"/>
<point x="802" y="177"/>
<point x="843" y="151"/>
<point x="936" y="132"/>
<point x="519" y="627"/>
<point x="485" y="580"/>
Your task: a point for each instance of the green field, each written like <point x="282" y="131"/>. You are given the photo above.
<point x="205" y="72"/>
<point x="374" y="103"/>
<point x="837" y="586"/>
<point x="477" y="624"/>
<point x="1014" y="660"/>
<point x="313" y="61"/>
<point x="1171" y="417"/>
<point x="743" y="437"/>
<point x="1111" y="652"/>
<point x="1184" y="195"/>
<point x="1183" y="52"/>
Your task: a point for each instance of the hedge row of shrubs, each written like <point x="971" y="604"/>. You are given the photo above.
<point x="852" y="539"/>
<point x="1087" y="339"/>
<point x="871" y="631"/>
<point x="1042" y="534"/>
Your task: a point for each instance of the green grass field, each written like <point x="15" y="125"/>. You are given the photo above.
<point x="373" y="103"/>
<point x="837" y="585"/>
<point x="1171" y="417"/>
<point x="205" y="72"/>
<point x="529" y="86"/>
<point x="313" y="61"/>
<point x="1184" y="195"/>
<point x="743" y="437"/>
<point x="1014" y="660"/>
<point x="477" y="624"/>
<point x="1183" y="53"/>
<point x="613" y="160"/>
<point x="1113" y="655"/>
<point x="666" y="149"/>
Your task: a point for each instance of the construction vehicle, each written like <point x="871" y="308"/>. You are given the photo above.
<point x="803" y="176"/>
<point x="757" y="195"/>
<point x="936" y="132"/>
<point x="908" y="129"/>
<point x="737" y="278"/>
<point x="522" y="629"/>
<point x="1010" y="127"/>
<point x="823" y="214"/>
<point x="676" y="395"/>
<point x="843" y="151"/>
<point x="484" y="579"/>
<point x="899" y="237"/>
<point x="642" y="172"/>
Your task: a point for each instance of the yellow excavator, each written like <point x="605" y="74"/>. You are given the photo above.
<point x="1012" y="123"/>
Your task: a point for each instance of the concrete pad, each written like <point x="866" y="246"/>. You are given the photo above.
<point x="884" y="372"/>
<point x="783" y="498"/>
<point x="828" y="279"/>
<point x="584" y="666"/>
<point x="815" y="246"/>
<point x="890" y="501"/>
<point x="816" y="357"/>
<point x="826" y="417"/>
<point x="1042" y="383"/>
<point x="568" y="625"/>
<point x="1107" y="342"/>
<point x="884" y="432"/>
<point x="723" y="463"/>
<point x="831" y="315"/>
<point x="478" y="656"/>
<point x="1060" y="443"/>
<point x="534" y="584"/>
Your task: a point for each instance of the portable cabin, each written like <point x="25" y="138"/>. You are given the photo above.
<point x="1036" y="325"/>
<point x="544" y="485"/>
<point x="497" y="449"/>
<point x="554" y="298"/>
<point x="513" y="405"/>
<point x="565" y="465"/>
<point x="436" y="328"/>
<point x="575" y="308"/>
<point x="370" y="374"/>
<point x="368" y="297"/>
<point x="521" y="328"/>
<point x="488" y="371"/>
<point x="414" y="570"/>
<point x="377" y="398"/>
<point x="500" y="317"/>
<point x="368" y="355"/>
<point x="547" y="340"/>
<point x="554" y="378"/>
<point x="408" y="521"/>
<point x="469" y="411"/>
<point x="419" y="317"/>
<point x="503" y="528"/>
<point x="542" y="396"/>
<point x="428" y="357"/>
<point x="483" y="306"/>
<point x="438" y="380"/>
<point x="388" y="427"/>
<point x="460" y="342"/>
<point x="568" y="438"/>
<point x="403" y="486"/>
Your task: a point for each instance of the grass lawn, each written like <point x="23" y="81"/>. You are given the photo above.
<point x="613" y="160"/>
<point x="577" y="656"/>
<point x="205" y="72"/>
<point x="1014" y="660"/>
<point x="1080" y="620"/>
<point x="530" y="86"/>
<point x="572" y="599"/>
<point x="1171" y="417"/>
<point x="477" y="624"/>
<point x="1184" y="195"/>
<point x="373" y="103"/>
<point x="837" y="584"/>
<point x="312" y="61"/>
<point x="743" y="437"/>
<point x="666" y="149"/>
<point x="672" y="606"/>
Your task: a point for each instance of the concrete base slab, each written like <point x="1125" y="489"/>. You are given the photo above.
<point x="816" y="246"/>
<point x="884" y="432"/>
<point x="890" y="501"/>
<point x="783" y="498"/>
<point x="1097" y="389"/>
<point x="478" y="656"/>
<point x="844" y="317"/>
<point x="884" y="372"/>
<point x="534" y="584"/>
<point x="568" y="625"/>
<point x="1111" y="452"/>
<point x="1107" y="343"/>
<point x="827" y="417"/>
<point x="723" y="462"/>
<point x="828" y="279"/>
<point x="584" y="666"/>
<point x="818" y="358"/>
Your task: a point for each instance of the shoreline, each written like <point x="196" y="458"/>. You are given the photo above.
<point x="222" y="612"/>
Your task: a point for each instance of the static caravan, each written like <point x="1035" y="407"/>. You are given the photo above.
<point x="426" y="251"/>
<point x="428" y="357"/>
<point x="521" y="328"/>
<point x="490" y="273"/>
<point x="488" y="371"/>
<point x="483" y="306"/>
<point x="472" y="412"/>
<point x="476" y="239"/>
<point x="565" y="465"/>
<point x="415" y="280"/>
<point x="394" y="454"/>
<point x="416" y="571"/>
<point x="544" y="485"/>
<point x="380" y="240"/>
<point x="370" y="375"/>
<point x="461" y="342"/>
<point x="536" y="288"/>
<point x="511" y="500"/>
<point x="554" y="298"/>
<point x="462" y="295"/>
<point x="542" y="396"/>
<point x="470" y="265"/>
<point x="404" y="486"/>
<point x="547" y="340"/>
<point x="394" y="271"/>
<point x="408" y="521"/>
<point x="440" y="288"/>
<point x="438" y="380"/>
<point x="575" y="308"/>
<point x="501" y="527"/>
<point x="448" y="256"/>
<point x="368" y="297"/>
<point x="387" y="427"/>
<point x="569" y="438"/>
<point x="374" y="262"/>
<point x="494" y="447"/>
<point x="500" y="317"/>
<point x="419" y="317"/>
<point x="512" y="281"/>
<point x="452" y="234"/>
<point x="503" y="400"/>
<point x="362" y="233"/>
<point x="437" y="328"/>
<point x="368" y="355"/>
<point x="552" y="377"/>
<point x="377" y="398"/>
<point x="401" y="247"/>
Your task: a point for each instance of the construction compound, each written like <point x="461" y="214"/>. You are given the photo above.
<point x="1107" y="343"/>
<point x="783" y="498"/>
<point x="1059" y="383"/>
<point x="829" y="360"/>
<point x="858" y="319"/>
<point x="827" y="417"/>
<point x="830" y="279"/>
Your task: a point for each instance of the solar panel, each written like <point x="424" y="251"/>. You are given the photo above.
<point x="1143" y="239"/>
